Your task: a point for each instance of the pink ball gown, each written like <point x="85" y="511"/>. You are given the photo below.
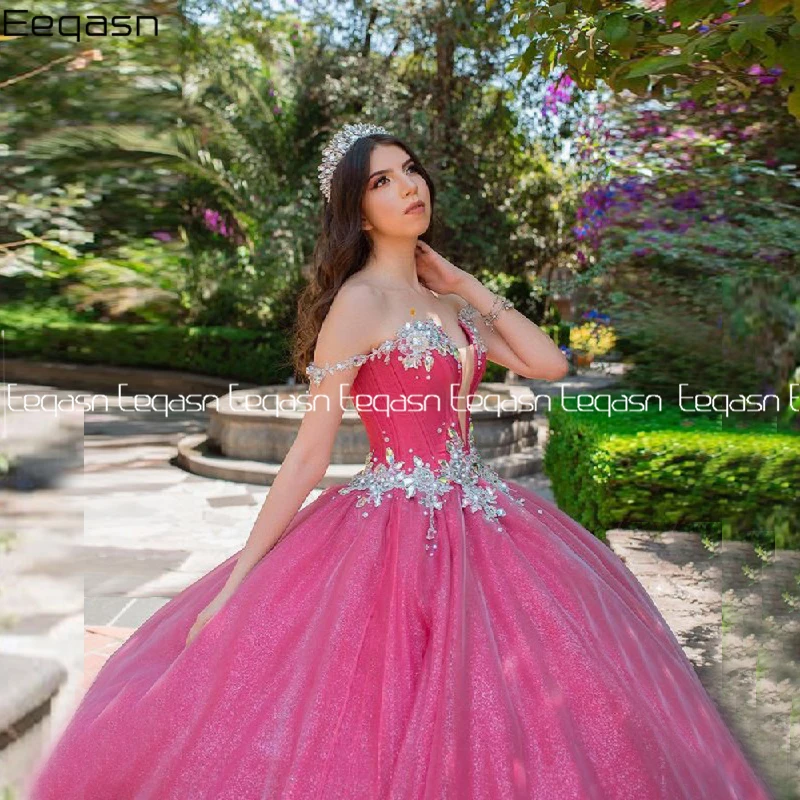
<point x="426" y="630"/>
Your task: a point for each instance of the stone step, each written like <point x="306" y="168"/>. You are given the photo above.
<point x="26" y="697"/>
<point x="112" y="442"/>
<point x="194" y="456"/>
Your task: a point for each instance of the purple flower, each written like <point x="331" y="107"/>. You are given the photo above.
<point x="214" y="222"/>
<point x="557" y="93"/>
<point x="686" y="201"/>
<point x="162" y="236"/>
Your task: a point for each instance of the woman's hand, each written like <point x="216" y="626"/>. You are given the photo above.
<point x="436" y="272"/>
<point x="205" y="615"/>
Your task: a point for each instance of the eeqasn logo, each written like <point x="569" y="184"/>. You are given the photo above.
<point x="71" y="26"/>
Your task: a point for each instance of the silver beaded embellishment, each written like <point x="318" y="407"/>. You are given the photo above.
<point x="416" y="340"/>
<point x="335" y="150"/>
<point x="428" y="485"/>
<point x="467" y="315"/>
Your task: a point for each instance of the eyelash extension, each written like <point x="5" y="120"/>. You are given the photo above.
<point x="377" y="182"/>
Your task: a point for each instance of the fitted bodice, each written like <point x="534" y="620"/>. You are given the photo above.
<point x="412" y="393"/>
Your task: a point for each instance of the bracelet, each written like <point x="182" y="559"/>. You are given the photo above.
<point x="494" y="313"/>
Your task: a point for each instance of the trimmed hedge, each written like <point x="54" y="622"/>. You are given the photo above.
<point x="255" y="356"/>
<point x="668" y="471"/>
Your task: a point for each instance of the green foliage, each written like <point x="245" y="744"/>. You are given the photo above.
<point x="212" y="134"/>
<point x="651" y="50"/>
<point x="667" y="348"/>
<point x="664" y="470"/>
<point x="560" y="332"/>
<point x="706" y="305"/>
<point x="495" y="373"/>
<point x="527" y="293"/>
<point x="694" y="245"/>
<point x="255" y="356"/>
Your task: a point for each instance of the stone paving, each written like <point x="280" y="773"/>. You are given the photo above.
<point x="735" y="614"/>
<point x="131" y="530"/>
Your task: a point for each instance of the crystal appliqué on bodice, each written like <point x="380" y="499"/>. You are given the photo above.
<point x="478" y="481"/>
<point x="416" y="343"/>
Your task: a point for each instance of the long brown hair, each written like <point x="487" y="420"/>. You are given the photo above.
<point x="342" y="247"/>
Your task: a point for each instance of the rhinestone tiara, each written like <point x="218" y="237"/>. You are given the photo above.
<point x="337" y="147"/>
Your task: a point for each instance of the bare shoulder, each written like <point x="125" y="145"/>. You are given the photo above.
<point x="354" y="293"/>
<point x="348" y="328"/>
<point x="455" y="301"/>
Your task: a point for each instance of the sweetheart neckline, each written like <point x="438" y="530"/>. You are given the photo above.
<point x="473" y="341"/>
<point x="447" y="336"/>
<point x="454" y="351"/>
<point x="429" y="320"/>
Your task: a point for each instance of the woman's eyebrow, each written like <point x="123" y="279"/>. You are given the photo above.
<point x="381" y="171"/>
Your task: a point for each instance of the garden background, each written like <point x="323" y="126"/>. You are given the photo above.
<point x="626" y="173"/>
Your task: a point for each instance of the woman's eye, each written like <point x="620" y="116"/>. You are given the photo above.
<point x="382" y="177"/>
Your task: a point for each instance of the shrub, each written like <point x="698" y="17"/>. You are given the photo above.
<point x="255" y="356"/>
<point x="666" y="471"/>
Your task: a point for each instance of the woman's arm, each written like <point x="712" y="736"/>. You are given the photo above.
<point x="343" y="333"/>
<point x="515" y="342"/>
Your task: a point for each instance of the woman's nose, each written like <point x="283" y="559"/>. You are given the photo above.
<point x="408" y="184"/>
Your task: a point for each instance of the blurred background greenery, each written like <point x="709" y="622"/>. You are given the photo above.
<point x="625" y="173"/>
<point x="627" y="158"/>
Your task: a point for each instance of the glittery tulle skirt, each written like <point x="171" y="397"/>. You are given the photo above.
<point x="521" y="660"/>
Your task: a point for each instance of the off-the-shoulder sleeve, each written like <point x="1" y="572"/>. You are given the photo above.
<point x="316" y="372"/>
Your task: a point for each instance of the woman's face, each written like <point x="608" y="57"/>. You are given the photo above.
<point x="394" y="184"/>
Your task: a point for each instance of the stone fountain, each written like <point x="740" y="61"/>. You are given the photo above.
<point x="251" y="430"/>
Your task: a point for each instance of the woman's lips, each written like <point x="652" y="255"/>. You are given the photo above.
<point x="417" y="209"/>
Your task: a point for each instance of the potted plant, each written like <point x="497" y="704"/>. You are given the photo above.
<point x="592" y="338"/>
<point x="582" y="358"/>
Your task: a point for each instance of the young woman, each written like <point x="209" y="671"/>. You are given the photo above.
<point x="426" y="630"/>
